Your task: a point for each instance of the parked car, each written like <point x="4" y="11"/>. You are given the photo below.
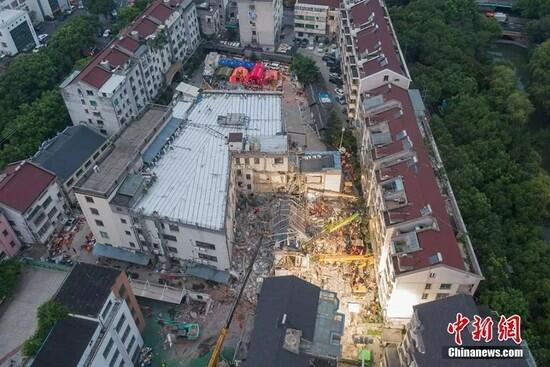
<point x="341" y="100"/>
<point x="336" y="81"/>
<point x="334" y="75"/>
<point x="304" y="42"/>
<point x="106" y="33"/>
<point x="335" y="69"/>
<point x="80" y="6"/>
<point x="42" y="37"/>
<point x="339" y="92"/>
<point x="37" y="48"/>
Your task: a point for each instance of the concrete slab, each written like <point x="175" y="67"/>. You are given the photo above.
<point x="18" y="317"/>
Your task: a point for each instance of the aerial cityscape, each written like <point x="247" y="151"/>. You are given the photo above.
<point x="274" y="183"/>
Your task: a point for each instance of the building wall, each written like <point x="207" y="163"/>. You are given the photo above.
<point x="258" y="172"/>
<point x="262" y="17"/>
<point x="114" y="345"/>
<point x="397" y="297"/>
<point x="181" y="243"/>
<point x="9" y="243"/>
<point x="7" y="43"/>
<point x="123" y="290"/>
<point x="326" y="181"/>
<point x="310" y="21"/>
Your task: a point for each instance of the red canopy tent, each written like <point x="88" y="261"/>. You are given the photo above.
<point x="257" y="73"/>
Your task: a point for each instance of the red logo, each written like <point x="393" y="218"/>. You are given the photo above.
<point x="508" y="328"/>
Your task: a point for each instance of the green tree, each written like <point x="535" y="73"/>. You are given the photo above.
<point x="305" y="68"/>
<point x="101" y="7"/>
<point x="126" y="15"/>
<point x="49" y="313"/>
<point x="539" y="65"/>
<point x="10" y="271"/>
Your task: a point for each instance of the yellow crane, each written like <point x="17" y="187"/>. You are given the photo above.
<point x="215" y="357"/>
<point x="329" y="228"/>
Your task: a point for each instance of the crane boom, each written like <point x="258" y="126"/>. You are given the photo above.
<point x="215" y="357"/>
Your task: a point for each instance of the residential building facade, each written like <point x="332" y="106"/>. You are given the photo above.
<point x="16" y="32"/>
<point x="104" y="326"/>
<point x="128" y="74"/>
<point x="316" y="19"/>
<point x="9" y="243"/>
<point x="38" y="10"/>
<point x="421" y="247"/>
<point x="209" y="15"/>
<point x="71" y="155"/>
<point x="32" y="202"/>
<point x="260" y="23"/>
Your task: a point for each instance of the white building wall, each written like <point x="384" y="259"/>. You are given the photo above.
<point x="408" y="290"/>
<point x="7" y="45"/>
<point x="310" y="21"/>
<point x="19" y="224"/>
<point x="266" y="19"/>
<point x="121" y="348"/>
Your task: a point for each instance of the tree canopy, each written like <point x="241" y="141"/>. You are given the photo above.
<point x="101" y="7"/>
<point x="479" y="120"/>
<point x="49" y="313"/>
<point x="539" y="71"/>
<point x="305" y="68"/>
<point x="10" y="271"/>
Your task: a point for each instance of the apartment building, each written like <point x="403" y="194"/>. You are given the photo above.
<point x="9" y="243"/>
<point x="104" y="326"/>
<point x="422" y="250"/>
<point x="316" y="19"/>
<point x="210" y="16"/>
<point x="32" y="202"/>
<point x="296" y="324"/>
<point x="260" y="23"/>
<point x="130" y="72"/>
<point x="168" y="186"/>
<point x="321" y="170"/>
<point x="37" y="10"/>
<point x="371" y="55"/>
<point x="426" y="337"/>
<point x="71" y="155"/>
<point x="16" y="32"/>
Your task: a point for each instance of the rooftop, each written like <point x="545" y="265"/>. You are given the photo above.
<point x="417" y="183"/>
<point x="432" y="336"/>
<point x="8" y="15"/>
<point x="193" y="172"/>
<point x="296" y="301"/>
<point x="126" y="148"/>
<point x="67" y="151"/>
<point x="375" y="40"/>
<point x="66" y="343"/>
<point x="86" y="289"/>
<point x="320" y="161"/>
<point x="21" y="183"/>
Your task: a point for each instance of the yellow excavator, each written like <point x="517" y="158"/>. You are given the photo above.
<point x="329" y="228"/>
<point x="215" y="357"/>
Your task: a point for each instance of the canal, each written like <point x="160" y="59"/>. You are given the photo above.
<point x="503" y="51"/>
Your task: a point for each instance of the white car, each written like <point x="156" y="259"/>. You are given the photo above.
<point x="339" y="92"/>
<point x="106" y="33"/>
<point x="37" y="48"/>
<point x="311" y="48"/>
<point x="42" y="37"/>
<point x="80" y="6"/>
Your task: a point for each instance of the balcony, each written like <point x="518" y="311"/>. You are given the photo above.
<point x="404" y="243"/>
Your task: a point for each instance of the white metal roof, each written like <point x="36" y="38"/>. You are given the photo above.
<point x="193" y="174"/>
<point x="187" y="89"/>
<point x="112" y="83"/>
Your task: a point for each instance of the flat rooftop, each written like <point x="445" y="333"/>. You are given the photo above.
<point x="193" y="173"/>
<point x="112" y="170"/>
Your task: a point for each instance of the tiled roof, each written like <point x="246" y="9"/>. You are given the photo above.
<point x="332" y="4"/>
<point x="375" y="34"/>
<point x="145" y="27"/>
<point x="117" y="57"/>
<point x="22" y="183"/>
<point x="129" y="44"/>
<point x="159" y="11"/>
<point x="419" y="182"/>
<point x="95" y="76"/>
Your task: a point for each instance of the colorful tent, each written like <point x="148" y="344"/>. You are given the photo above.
<point x="270" y="76"/>
<point x="257" y="73"/>
<point x="234" y="63"/>
<point x="240" y="75"/>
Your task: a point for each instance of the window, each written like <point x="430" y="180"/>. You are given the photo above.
<point x="132" y="341"/>
<point x="132" y="244"/>
<point x="99" y="223"/>
<point x="424" y="295"/>
<point x="94" y="211"/>
<point x="128" y="233"/>
<point x="169" y="237"/>
<point x="93" y="103"/>
<point x="47" y="202"/>
<point x="256" y="160"/>
<point x="104" y="234"/>
<point x="52" y="212"/>
<point x="248" y="176"/>
<point x="445" y="286"/>
<point x="335" y="339"/>
<point x="89" y="92"/>
<point x="441" y="295"/>
<point x="432" y="275"/>
<point x="5" y="232"/>
<point x="125" y="335"/>
<point x="121" y="320"/>
<point x="386" y="78"/>
<point x="122" y="220"/>
<point x="114" y="359"/>
<point x="428" y="286"/>
<point x="206" y="245"/>
<point x="174" y="228"/>
<point x="208" y="257"/>
<point x="89" y="199"/>
<point x="249" y="187"/>
<point x="83" y="102"/>
<point x="106" y="310"/>
<point x="12" y="244"/>
<point x="172" y="249"/>
<point x="277" y="160"/>
<point x="121" y="364"/>
<point x="108" y="348"/>
<point x="239" y="172"/>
